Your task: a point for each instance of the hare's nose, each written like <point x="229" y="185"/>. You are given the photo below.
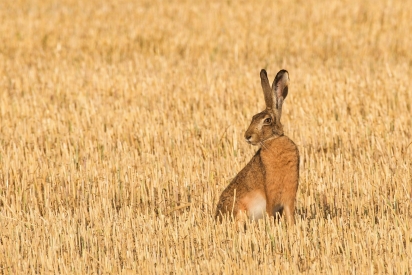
<point x="248" y="137"/>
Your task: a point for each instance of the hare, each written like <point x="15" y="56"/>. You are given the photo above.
<point x="269" y="182"/>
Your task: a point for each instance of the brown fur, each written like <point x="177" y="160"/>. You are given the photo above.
<point x="270" y="180"/>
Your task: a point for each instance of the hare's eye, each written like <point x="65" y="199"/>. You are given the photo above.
<point x="268" y="120"/>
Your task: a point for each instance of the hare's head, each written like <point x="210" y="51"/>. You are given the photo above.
<point x="266" y="124"/>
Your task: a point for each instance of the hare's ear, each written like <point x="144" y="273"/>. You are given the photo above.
<point x="267" y="91"/>
<point x="280" y="89"/>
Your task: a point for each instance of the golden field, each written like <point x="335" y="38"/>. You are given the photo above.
<point x="121" y="122"/>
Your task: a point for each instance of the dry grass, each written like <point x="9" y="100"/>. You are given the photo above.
<point x="122" y="121"/>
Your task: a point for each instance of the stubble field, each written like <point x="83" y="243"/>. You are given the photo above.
<point x="122" y="121"/>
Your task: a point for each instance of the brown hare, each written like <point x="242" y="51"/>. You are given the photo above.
<point x="270" y="180"/>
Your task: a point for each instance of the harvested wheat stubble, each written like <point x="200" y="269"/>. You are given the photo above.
<point x="121" y="122"/>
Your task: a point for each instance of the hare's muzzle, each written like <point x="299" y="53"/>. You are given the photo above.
<point x="250" y="138"/>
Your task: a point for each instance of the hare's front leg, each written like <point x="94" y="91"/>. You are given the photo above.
<point x="289" y="210"/>
<point x="278" y="210"/>
<point x="274" y="210"/>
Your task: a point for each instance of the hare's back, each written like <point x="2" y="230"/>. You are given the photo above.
<point x="248" y="189"/>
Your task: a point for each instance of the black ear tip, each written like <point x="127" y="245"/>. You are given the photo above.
<point x="263" y="73"/>
<point x="280" y="74"/>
